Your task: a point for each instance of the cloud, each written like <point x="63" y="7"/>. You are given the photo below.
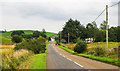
<point x="51" y="14"/>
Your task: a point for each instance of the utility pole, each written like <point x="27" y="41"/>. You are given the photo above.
<point x="107" y="27"/>
<point x="68" y="40"/>
<point x="60" y="36"/>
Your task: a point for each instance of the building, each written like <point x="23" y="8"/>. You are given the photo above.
<point x="89" y="40"/>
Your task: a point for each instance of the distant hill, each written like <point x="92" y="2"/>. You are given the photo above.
<point x="8" y="34"/>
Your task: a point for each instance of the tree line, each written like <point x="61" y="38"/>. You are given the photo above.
<point x="18" y="35"/>
<point x="78" y="31"/>
<point x="35" y="42"/>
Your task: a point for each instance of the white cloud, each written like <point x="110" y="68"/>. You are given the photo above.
<point x="51" y="14"/>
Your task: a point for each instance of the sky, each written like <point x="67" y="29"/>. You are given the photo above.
<point x="53" y="14"/>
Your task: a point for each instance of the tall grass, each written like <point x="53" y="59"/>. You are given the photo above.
<point x="12" y="59"/>
<point x="7" y="46"/>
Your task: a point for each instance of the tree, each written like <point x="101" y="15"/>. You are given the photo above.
<point x="27" y="36"/>
<point x="100" y="36"/>
<point x="94" y="25"/>
<point x="118" y="33"/>
<point x="16" y="38"/>
<point x="103" y="25"/>
<point x="36" y="34"/>
<point x="75" y="30"/>
<point x="43" y="30"/>
<point x="90" y="30"/>
<point x="112" y="34"/>
<point x="17" y="33"/>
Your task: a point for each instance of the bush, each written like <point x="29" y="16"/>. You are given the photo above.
<point x="16" y="38"/>
<point x="63" y="41"/>
<point x="80" y="46"/>
<point x="99" y="51"/>
<point x="36" y="45"/>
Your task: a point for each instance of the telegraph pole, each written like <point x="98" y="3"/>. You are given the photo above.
<point x="68" y="40"/>
<point x="107" y="27"/>
<point x="60" y="36"/>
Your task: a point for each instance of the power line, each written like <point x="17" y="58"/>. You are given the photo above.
<point x="114" y="4"/>
<point x="99" y="15"/>
<point x="104" y="10"/>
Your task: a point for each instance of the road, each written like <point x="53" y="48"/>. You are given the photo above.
<point x="56" y="61"/>
<point x="58" y="58"/>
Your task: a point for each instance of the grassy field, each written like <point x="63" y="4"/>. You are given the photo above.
<point x="50" y="34"/>
<point x="8" y="34"/>
<point x="103" y="44"/>
<point x="96" y="44"/>
<point x="4" y="40"/>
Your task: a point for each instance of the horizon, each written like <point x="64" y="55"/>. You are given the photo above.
<point x="52" y="15"/>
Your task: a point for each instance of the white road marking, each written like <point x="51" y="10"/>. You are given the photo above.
<point x="68" y="58"/>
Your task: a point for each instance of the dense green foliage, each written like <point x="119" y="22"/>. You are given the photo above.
<point x="100" y="36"/>
<point x="80" y="46"/>
<point x="27" y="36"/>
<point x="76" y="30"/>
<point x="17" y="33"/>
<point x="63" y="41"/>
<point x="17" y="38"/>
<point x="36" y="34"/>
<point x="36" y="45"/>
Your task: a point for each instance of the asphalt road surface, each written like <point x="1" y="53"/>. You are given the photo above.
<point x="57" y="61"/>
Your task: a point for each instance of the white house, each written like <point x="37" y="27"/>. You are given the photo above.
<point x="89" y="40"/>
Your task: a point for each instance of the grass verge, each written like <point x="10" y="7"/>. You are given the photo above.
<point x="37" y="61"/>
<point x="98" y="58"/>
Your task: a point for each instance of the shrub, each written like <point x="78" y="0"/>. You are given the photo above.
<point x="99" y="51"/>
<point x="63" y="41"/>
<point x="16" y="38"/>
<point x="36" y="45"/>
<point x="80" y="46"/>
